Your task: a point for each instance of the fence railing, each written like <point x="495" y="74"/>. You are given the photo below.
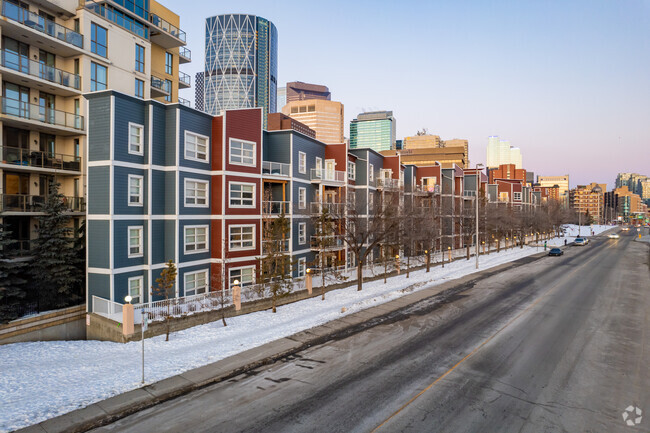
<point x="167" y="27"/>
<point x="334" y="209"/>
<point x="276" y="168"/>
<point x="107" y="308"/>
<point x="118" y="18"/>
<point x="332" y="176"/>
<point x="327" y="243"/>
<point x="276" y="207"/>
<point x="185" y="53"/>
<point x="184" y="78"/>
<point x="25" y="65"/>
<point x="40" y="113"/>
<point x="280" y="245"/>
<point x="389" y="183"/>
<point x="184" y="101"/>
<point x="35" y="158"/>
<point x="160" y="84"/>
<point x="427" y="189"/>
<point x="35" y="203"/>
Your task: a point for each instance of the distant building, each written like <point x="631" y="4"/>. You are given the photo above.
<point x="422" y="142"/>
<point x="323" y="116"/>
<point x="501" y="152"/>
<point x="589" y="200"/>
<point x="199" y="88"/>
<point x="282" y="98"/>
<point x="506" y="171"/>
<point x="447" y="157"/>
<point x="399" y="144"/>
<point x="561" y="181"/>
<point x="299" y="91"/>
<point x="374" y="130"/>
<point x="425" y="149"/>
<point x="281" y="122"/>
<point x="625" y="205"/>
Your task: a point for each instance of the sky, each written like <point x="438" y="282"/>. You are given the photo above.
<point x="566" y="81"/>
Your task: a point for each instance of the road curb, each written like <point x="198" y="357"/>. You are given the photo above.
<point x="112" y="409"/>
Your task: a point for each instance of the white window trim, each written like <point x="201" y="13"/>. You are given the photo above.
<point x="302" y="205"/>
<point x="128" y="242"/>
<point x="254" y="164"/>
<point x="302" y="261"/>
<point x="207" y="239"/>
<point x="140" y="202"/>
<point x="242" y="206"/>
<point x="207" y="147"/>
<point x="302" y="162"/>
<point x="352" y="171"/>
<point x="141" y="128"/>
<point x="371" y="172"/>
<point x="318" y="164"/>
<point x="207" y="193"/>
<point x="128" y="288"/>
<point x="239" y="268"/>
<point x="230" y="227"/>
<point x="200" y="271"/>
<point x="303" y="240"/>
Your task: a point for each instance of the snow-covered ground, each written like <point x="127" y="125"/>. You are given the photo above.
<point x="41" y="380"/>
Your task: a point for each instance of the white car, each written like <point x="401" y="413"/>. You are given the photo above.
<point x="614" y="236"/>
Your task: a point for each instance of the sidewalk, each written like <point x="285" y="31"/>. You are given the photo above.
<point x="109" y="410"/>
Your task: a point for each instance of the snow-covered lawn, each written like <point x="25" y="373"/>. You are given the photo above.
<point x="41" y="380"/>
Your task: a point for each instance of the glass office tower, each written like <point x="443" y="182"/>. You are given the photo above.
<point x="375" y="130"/>
<point x="241" y="63"/>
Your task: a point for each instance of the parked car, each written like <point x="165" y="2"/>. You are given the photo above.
<point x="580" y="241"/>
<point x="555" y="252"/>
<point x="614" y="236"/>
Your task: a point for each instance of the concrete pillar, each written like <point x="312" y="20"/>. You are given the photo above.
<point x="308" y="281"/>
<point x="127" y="320"/>
<point x="236" y="297"/>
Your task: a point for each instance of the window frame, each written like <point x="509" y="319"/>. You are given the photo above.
<point x="242" y="206"/>
<point x="139" y="296"/>
<point x="168" y="84"/>
<point x="195" y="243"/>
<point x="93" y="40"/>
<point x="371" y="172"/>
<point x="139" y="88"/>
<point x="242" y="163"/>
<point x="206" y="288"/>
<point x="241" y="283"/>
<point x="140" y="196"/>
<point x="302" y="201"/>
<point x="241" y="241"/>
<point x="169" y="67"/>
<point x="186" y="196"/>
<point x="302" y="237"/>
<point x="141" y="145"/>
<point x="302" y="162"/>
<point x="302" y="267"/>
<point x="352" y="171"/>
<point x="207" y="147"/>
<point x="139" y="62"/>
<point x="140" y="252"/>
<point x="94" y="82"/>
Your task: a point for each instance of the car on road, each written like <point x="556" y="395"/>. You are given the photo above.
<point x="625" y="229"/>
<point x="614" y="236"/>
<point x="580" y="241"/>
<point x="555" y="252"/>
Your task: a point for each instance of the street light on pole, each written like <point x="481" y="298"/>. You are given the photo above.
<point x="478" y="183"/>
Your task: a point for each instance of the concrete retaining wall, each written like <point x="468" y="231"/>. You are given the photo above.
<point x="64" y="324"/>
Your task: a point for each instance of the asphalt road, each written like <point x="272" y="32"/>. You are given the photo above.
<point x="559" y="344"/>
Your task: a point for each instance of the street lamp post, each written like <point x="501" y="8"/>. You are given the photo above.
<point x="478" y="182"/>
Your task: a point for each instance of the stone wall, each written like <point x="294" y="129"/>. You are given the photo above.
<point x="64" y="324"/>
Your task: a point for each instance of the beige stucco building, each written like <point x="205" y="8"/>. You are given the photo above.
<point x="323" y="116"/>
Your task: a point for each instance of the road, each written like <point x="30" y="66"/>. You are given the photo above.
<point x="558" y="344"/>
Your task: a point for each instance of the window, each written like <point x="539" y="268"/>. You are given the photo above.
<point x="98" y="77"/>
<point x="302" y="198"/>
<point x="168" y="86"/>
<point x="371" y="202"/>
<point x="245" y="276"/>
<point x="196" y="282"/>
<point x="135" y="190"/>
<point x="169" y="64"/>
<point x="242" y="152"/>
<point x="516" y="196"/>
<point x="135" y="289"/>
<point x="196" y="239"/>
<point x="319" y="165"/>
<point x="302" y="266"/>
<point x="135" y="138"/>
<point x="139" y="58"/>
<point x="352" y="170"/>
<point x="135" y="241"/>
<point x="302" y="162"/>
<point x="139" y="88"/>
<point x="241" y="237"/>
<point x="196" y="147"/>
<point x="302" y="233"/>
<point x="242" y="194"/>
<point x="98" y="40"/>
<point x="352" y="199"/>
<point x="196" y="193"/>
<point x="371" y="172"/>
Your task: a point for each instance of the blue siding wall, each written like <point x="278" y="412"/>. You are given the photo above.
<point x="127" y="110"/>
<point x="277" y="147"/>
<point x="170" y="193"/>
<point x="121" y="192"/>
<point x="170" y="136"/>
<point x="121" y="285"/>
<point x="98" y="243"/>
<point x="158" y="242"/>
<point x="99" y="128"/>
<point x="98" y="190"/>
<point x="121" y="243"/>
<point x="198" y="123"/>
<point x="158" y="192"/>
<point x="158" y="130"/>
<point x="170" y="236"/>
<point x="98" y="285"/>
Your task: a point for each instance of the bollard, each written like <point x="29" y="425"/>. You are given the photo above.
<point x="308" y="281"/>
<point x="127" y="320"/>
<point x="236" y="296"/>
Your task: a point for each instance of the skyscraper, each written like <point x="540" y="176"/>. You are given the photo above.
<point x="323" y="116"/>
<point x="500" y="152"/>
<point x="241" y="63"/>
<point x="299" y="91"/>
<point x="199" y="91"/>
<point x="375" y="130"/>
<point x="282" y="98"/>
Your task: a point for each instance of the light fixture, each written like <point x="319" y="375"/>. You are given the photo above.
<point x="128" y="299"/>
<point x="236" y="282"/>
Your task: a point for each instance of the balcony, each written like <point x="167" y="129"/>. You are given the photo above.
<point x="160" y="87"/>
<point x="275" y="246"/>
<point x="426" y="189"/>
<point x="165" y="34"/>
<point x="20" y="203"/>
<point x="36" y="74"/>
<point x="133" y="26"/>
<point x="30" y="160"/>
<point x="184" y="101"/>
<point x="390" y="184"/>
<point x="276" y="168"/>
<point x="184" y="80"/>
<point x="335" y="210"/>
<point x="184" y="55"/>
<point x="328" y="177"/>
<point x="37" y="117"/>
<point x="21" y="24"/>
<point x="327" y="243"/>
<point x="276" y="207"/>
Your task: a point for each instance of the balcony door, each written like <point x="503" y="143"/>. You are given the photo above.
<point x="15" y="146"/>
<point x="16" y="55"/>
<point x="46" y="62"/>
<point x="46" y="107"/>
<point x="16" y="192"/>
<point x="15" y="100"/>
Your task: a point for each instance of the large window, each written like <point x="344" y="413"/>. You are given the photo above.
<point x="352" y="170"/>
<point x="196" y="282"/>
<point x="135" y="241"/>
<point x="302" y="198"/>
<point x="241" y="237"/>
<point x="302" y="266"/>
<point x="196" y="147"/>
<point x="242" y="152"/>
<point x="98" y="40"/>
<point x="139" y="58"/>
<point x="302" y="162"/>
<point x="135" y="190"/>
<point x="196" y="239"/>
<point x="98" y="77"/>
<point x="168" y="86"/>
<point x="196" y="193"/>
<point x="139" y="88"/>
<point x="243" y="276"/>
<point x="135" y="138"/>
<point x="302" y="233"/>
<point x="169" y="64"/>
<point x="135" y="289"/>
<point x="242" y="194"/>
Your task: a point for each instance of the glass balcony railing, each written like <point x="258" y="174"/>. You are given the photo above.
<point x="184" y="101"/>
<point x="167" y="27"/>
<point x="36" y="69"/>
<point x="276" y="207"/>
<point x="160" y="84"/>
<point x="40" y="113"/>
<point x="38" y="159"/>
<point x="185" y="53"/>
<point x="119" y="18"/>
<point x="35" y="203"/>
<point x="40" y="24"/>
<point x="276" y="168"/>
<point x="184" y="78"/>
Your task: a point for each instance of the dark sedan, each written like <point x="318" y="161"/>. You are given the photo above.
<point x="555" y="252"/>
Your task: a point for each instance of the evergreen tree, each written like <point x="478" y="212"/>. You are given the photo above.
<point x="80" y="250"/>
<point x="12" y="283"/>
<point x="56" y="276"/>
<point x="275" y="266"/>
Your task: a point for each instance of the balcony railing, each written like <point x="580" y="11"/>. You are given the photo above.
<point x="279" y="245"/>
<point x="276" y="168"/>
<point x="167" y="27"/>
<point x="184" y="101"/>
<point x="183" y="78"/>
<point x="40" y="24"/>
<point x="25" y="110"/>
<point x="333" y="209"/>
<point x="185" y="54"/>
<point x="35" y="203"/>
<point x="34" y="158"/>
<point x="118" y="18"/>
<point x="25" y="65"/>
<point x="276" y="207"/>
<point x="389" y="183"/>
<point x="331" y="176"/>
<point x="427" y="189"/>
<point x="19" y="247"/>
<point x="161" y="85"/>
<point x="325" y="243"/>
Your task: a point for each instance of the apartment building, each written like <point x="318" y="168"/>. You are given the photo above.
<point x="589" y="200"/>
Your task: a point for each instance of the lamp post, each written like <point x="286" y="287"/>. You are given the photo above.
<point x="478" y="182"/>
<point x="428" y="259"/>
<point x="236" y="295"/>
<point x="397" y="263"/>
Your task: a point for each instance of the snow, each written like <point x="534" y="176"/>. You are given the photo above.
<point x="41" y="380"/>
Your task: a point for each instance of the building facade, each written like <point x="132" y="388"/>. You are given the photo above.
<point x="589" y="201"/>
<point x="500" y="152"/>
<point x="375" y="130"/>
<point x="322" y="115"/>
<point x="299" y="91"/>
<point x="199" y="91"/>
<point x="562" y="182"/>
<point x="241" y="63"/>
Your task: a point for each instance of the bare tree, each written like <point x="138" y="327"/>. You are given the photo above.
<point x="165" y="288"/>
<point x="275" y="265"/>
